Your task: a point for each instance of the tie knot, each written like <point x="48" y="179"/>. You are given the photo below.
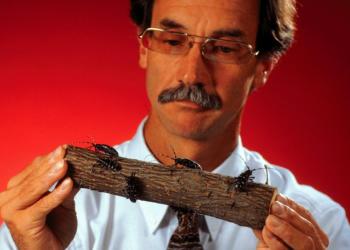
<point x="188" y="220"/>
<point x="186" y="235"/>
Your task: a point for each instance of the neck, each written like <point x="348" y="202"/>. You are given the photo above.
<point x="209" y="152"/>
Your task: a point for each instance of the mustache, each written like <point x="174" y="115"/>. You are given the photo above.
<point x="194" y="93"/>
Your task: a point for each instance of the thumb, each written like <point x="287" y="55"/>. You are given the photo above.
<point x="69" y="201"/>
<point x="261" y="243"/>
<point x="258" y="234"/>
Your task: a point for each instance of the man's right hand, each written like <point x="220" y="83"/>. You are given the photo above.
<point x="36" y="218"/>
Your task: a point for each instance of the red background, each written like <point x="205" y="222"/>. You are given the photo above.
<point x="68" y="71"/>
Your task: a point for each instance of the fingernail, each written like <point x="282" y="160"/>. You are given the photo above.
<point x="281" y="198"/>
<point x="57" y="152"/>
<point x="57" y="166"/>
<point x="274" y="221"/>
<point x="269" y="234"/>
<point x="65" y="184"/>
<point x="277" y="208"/>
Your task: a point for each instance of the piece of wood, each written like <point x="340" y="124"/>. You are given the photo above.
<point x="204" y="192"/>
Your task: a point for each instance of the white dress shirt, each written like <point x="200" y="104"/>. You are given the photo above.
<point x="112" y="222"/>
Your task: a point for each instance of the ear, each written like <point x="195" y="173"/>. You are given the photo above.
<point x="263" y="71"/>
<point x="142" y="55"/>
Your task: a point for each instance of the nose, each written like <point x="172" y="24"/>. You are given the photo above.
<point x="194" y="68"/>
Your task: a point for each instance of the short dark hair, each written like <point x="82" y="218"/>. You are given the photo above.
<point x="276" y="24"/>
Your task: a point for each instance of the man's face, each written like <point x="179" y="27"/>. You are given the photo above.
<point x="232" y="83"/>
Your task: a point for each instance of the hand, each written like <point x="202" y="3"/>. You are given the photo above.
<point x="36" y="218"/>
<point x="291" y="226"/>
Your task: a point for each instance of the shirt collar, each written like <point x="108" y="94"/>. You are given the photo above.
<point x="234" y="165"/>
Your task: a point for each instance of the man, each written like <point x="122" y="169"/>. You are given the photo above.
<point x="202" y="59"/>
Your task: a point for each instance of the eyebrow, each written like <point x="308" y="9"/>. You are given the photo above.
<point x="167" y="23"/>
<point x="171" y="24"/>
<point x="235" y="33"/>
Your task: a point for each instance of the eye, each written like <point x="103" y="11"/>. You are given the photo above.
<point x="173" y="42"/>
<point x="224" y="47"/>
<point x="225" y="50"/>
<point x="172" y="39"/>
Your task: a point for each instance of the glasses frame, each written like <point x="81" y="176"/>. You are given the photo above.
<point x="206" y="40"/>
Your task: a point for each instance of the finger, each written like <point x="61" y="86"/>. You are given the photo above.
<point x="271" y="240"/>
<point x="48" y="163"/>
<point x="261" y="243"/>
<point x="21" y="184"/>
<point x="299" y="222"/>
<point x="69" y="201"/>
<point x="44" y="206"/>
<point x="33" y="189"/>
<point x="14" y="181"/>
<point x="306" y="214"/>
<point x="7" y="196"/>
<point x="258" y="234"/>
<point x="291" y="216"/>
<point x="289" y="234"/>
<point x="13" y="189"/>
<point x="37" y="162"/>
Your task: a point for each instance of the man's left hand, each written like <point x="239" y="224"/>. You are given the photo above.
<point x="290" y="226"/>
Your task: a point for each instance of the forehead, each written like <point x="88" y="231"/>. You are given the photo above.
<point x="202" y="17"/>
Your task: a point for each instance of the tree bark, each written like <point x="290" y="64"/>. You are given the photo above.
<point x="204" y="192"/>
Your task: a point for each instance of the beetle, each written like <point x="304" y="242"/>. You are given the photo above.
<point x="132" y="187"/>
<point x="105" y="149"/>
<point x="108" y="156"/>
<point x="185" y="162"/>
<point x="109" y="164"/>
<point x="241" y="182"/>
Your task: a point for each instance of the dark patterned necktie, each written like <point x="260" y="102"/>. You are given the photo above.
<point x="186" y="235"/>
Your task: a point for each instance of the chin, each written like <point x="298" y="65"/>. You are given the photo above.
<point x="190" y="133"/>
<point x="197" y="126"/>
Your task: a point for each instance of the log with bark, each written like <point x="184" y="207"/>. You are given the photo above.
<point x="204" y="192"/>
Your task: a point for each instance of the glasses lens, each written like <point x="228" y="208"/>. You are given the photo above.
<point x="226" y="51"/>
<point x="165" y="41"/>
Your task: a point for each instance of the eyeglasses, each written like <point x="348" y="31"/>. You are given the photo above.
<point x="214" y="49"/>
